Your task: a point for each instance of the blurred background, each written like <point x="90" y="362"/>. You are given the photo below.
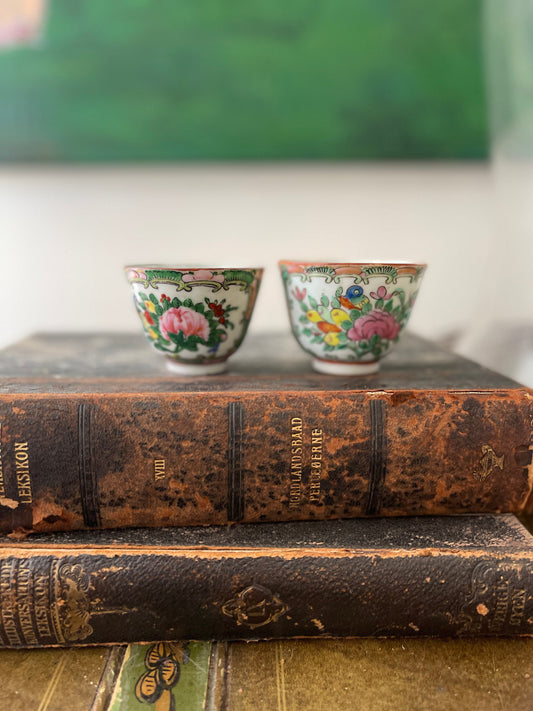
<point x="242" y="133"/>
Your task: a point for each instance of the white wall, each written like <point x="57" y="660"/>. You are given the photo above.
<point x="66" y="232"/>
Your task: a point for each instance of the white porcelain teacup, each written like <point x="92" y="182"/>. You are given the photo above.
<point x="195" y="316"/>
<point x="347" y="316"/>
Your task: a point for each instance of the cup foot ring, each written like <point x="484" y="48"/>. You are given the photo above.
<point x="331" y="367"/>
<point x="178" y="367"/>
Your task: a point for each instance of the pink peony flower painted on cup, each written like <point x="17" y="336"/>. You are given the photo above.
<point x="188" y="321"/>
<point x="376" y="322"/>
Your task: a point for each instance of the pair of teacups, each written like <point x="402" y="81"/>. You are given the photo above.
<point x="347" y="316"/>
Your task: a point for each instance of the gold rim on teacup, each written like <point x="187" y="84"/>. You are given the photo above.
<point x="349" y="315"/>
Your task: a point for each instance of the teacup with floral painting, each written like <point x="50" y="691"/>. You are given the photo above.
<point x="195" y="316"/>
<point x="347" y="316"/>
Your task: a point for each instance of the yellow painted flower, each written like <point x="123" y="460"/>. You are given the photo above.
<point x="332" y="339"/>
<point x="150" y="306"/>
<point x="314" y="316"/>
<point x="152" y="333"/>
<point x="338" y="315"/>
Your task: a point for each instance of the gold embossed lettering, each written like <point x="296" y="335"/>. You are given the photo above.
<point x="24" y="604"/>
<point x="159" y="468"/>
<point x="316" y="465"/>
<point x="6" y="595"/>
<point x="518" y="606"/>
<point x="40" y="596"/>
<point x="295" y="489"/>
<point x="502" y="603"/>
<point x="22" y="467"/>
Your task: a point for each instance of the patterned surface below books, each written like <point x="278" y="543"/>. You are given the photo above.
<point x="316" y="675"/>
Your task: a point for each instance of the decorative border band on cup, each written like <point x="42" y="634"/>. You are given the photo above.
<point x="361" y="273"/>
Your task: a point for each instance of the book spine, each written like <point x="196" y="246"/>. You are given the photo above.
<point x="102" y="597"/>
<point x="174" y="459"/>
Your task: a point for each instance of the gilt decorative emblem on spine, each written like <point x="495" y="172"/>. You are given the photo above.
<point x="75" y="609"/>
<point x="489" y="460"/>
<point x="254" y="606"/>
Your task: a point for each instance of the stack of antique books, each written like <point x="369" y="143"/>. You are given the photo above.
<point x="267" y="502"/>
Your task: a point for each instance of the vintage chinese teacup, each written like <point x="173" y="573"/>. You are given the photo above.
<point x="195" y="316"/>
<point x="347" y="316"/>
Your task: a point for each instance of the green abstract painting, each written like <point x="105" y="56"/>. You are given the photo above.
<point x="126" y="80"/>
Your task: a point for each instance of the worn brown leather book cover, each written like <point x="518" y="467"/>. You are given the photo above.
<point x="455" y="575"/>
<point x="96" y="433"/>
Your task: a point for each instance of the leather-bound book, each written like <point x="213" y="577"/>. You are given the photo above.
<point x="96" y="433"/>
<point x="396" y="576"/>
